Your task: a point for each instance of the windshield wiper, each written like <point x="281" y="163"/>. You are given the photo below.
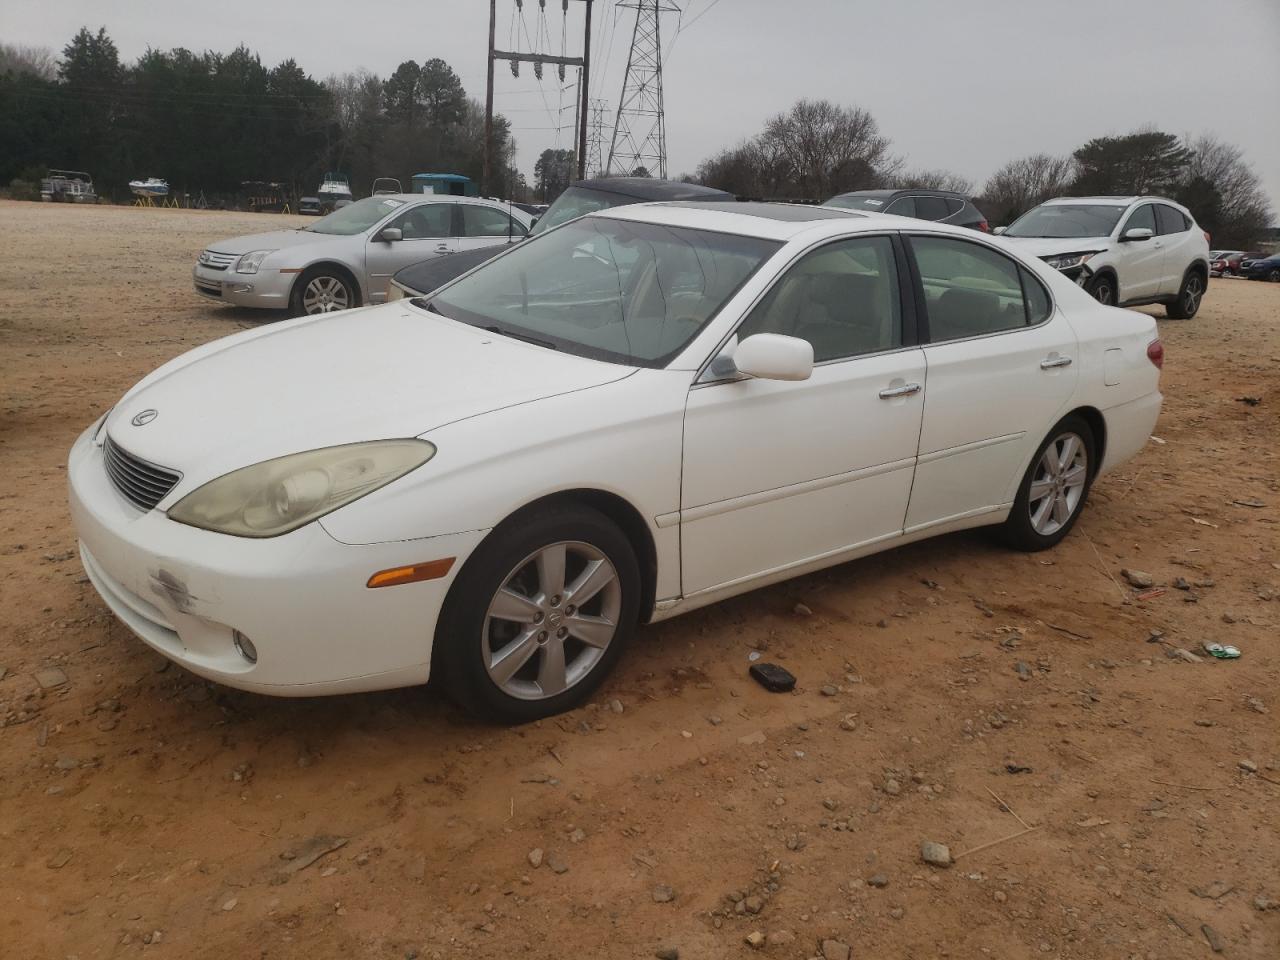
<point x="521" y="336"/>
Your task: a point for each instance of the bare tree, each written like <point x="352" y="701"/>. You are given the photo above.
<point x="1022" y="184"/>
<point x="934" y="180"/>
<point x="828" y="149"/>
<point x="1242" y="209"/>
<point x="38" y="61"/>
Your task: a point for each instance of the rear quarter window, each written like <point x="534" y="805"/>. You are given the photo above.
<point x="1171" y="220"/>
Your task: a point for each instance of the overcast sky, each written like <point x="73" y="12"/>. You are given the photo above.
<point x="963" y="86"/>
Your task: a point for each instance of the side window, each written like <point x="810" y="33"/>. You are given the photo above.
<point x="428" y="221"/>
<point x="842" y="298"/>
<point x="1039" y="306"/>
<point x="1144" y="216"/>
<point x="970" y="290"/>
<point x="954" y="206"/>
<point x="931" y="208"/>
<point x="478" y="221"/>
<point x="1170" y="220"/>
<point x="903" y="207"/>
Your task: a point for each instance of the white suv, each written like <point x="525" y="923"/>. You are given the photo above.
<point x="1124" y="250"/>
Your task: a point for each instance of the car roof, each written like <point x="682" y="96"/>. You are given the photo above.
<point x="769" y="221"/>
<point x="649" y="188"/>
<point x="909" y="191"/>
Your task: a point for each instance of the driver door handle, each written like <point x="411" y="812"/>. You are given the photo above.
<point x="906" y="390"/>
<point x="1049" y="363"/>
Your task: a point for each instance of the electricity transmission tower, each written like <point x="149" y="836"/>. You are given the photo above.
<point x="640" y="130"/>
<point x="595" y="138"/>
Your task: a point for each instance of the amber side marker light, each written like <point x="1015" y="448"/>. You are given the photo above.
<point x="433" y="570"/>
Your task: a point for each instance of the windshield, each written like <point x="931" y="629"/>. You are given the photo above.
<point x="633" y="293"/>
<point x="1064" y="220"/>
<point x="578" y="202"/>
<point x="855" y="202"/>
<point x="355" y="217"/>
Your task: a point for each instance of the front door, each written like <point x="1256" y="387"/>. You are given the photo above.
<point x="485" y="226"/>
<point x="426" y="231"/>
<point x="1001" y="370"/>
<point x="1141" y="262"/>
<point x="776" y="473"/>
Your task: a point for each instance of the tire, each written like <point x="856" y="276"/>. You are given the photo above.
<point x="1103" y="289"/>
<point x="1027" y="527"/>
<point x="506" y="576"/>
<point x="322" y="290"/>
<point x="1274" y="275"/>
<point x="1187" y="304"/>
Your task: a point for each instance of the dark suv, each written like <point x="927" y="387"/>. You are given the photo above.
<point x="944" y="206"/>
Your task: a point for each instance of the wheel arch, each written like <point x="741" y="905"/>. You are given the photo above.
<point x="337" y="266"/>
<point x="1098" y="424"/>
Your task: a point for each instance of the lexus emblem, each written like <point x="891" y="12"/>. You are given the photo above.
<point x="144" y="417"/>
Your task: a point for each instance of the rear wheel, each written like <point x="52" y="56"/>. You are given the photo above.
<point x="321" y="290"/>
<point x="1103" y="289"/>
<point x="539" y="615"/>
<point x="1188" y="302"/>
<point x="1054" y="488"/>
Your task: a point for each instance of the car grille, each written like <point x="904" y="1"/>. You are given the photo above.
<point x="210" y="288"/>
<point x="141" y="483"/>
<point x="213" y="260"/>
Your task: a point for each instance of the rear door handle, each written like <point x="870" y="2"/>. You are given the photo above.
<point x="906" y="390"/>
<point x="1050" y="363"/>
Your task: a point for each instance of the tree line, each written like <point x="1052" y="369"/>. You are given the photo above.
<point x="818" y="149"/>
<point x="207" y="122"/>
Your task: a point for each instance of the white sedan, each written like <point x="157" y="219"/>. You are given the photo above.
<point x="636" y="414"/>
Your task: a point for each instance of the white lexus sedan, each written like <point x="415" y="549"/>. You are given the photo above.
<point x="631" y="416"/>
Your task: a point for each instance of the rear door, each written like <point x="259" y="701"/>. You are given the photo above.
<point x="426" y="231"/>
<point x="1001" y="369"/>
<point x="1176" y="235"/>
<point x="1140" y="263"/>
<point x="932" y="208"/>
<point x="484" y="226"/>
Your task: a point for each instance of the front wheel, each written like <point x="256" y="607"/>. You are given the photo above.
<point x="1274" y="275"/>
<point x="321" y="290"/>
<point x="539" y="614"/>
<point x="1189" y="296"/>
<point x="1054" y="488"/>
<point x="1103" y="289"/>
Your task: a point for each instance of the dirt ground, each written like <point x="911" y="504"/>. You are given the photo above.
<point x="143" y="811"/>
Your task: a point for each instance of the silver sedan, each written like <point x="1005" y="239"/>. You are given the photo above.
<point x="347" y="258"/>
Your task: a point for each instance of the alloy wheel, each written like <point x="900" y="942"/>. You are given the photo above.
<point x="551" y="621"/>
<point x="1058" y="485"/>
<point x="1274" y="276"/>
<point x="1104" y="294"/>
<point x="1192" y="291"/>
<point x="325" y="295"/>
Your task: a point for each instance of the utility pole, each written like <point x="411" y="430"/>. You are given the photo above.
<point x="583" y="62"/>
<point x="640" y="130"/>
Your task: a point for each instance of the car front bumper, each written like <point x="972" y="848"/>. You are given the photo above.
<point x="301" y="598"/>
<point x="267" y="289"/>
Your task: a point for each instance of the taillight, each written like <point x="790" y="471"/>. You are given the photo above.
<point x="1155" y="353"/>
<point x="984" y="227"/>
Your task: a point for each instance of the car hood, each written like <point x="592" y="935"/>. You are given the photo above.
<point x="383" y="372"/>
<point x="433" y="274"/>
<point x="1053" y="246"/>
<point x="274" y="240"/>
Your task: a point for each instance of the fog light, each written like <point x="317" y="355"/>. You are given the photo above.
<point x="244" y="646"/>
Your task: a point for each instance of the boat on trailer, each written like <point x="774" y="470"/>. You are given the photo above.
<point x="150" y="187"/>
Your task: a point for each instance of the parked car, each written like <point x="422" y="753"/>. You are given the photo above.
<point x="941" y="206"/>
<point x="347" y="258"/>
<point x="621" y="420"/>
<point x="1228" y="263"/>
<point x="580" y="198"/>
<point x="1262" y="268"/>
<point x="1124" y="250"/>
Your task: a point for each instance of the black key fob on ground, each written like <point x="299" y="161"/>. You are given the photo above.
<point x="773" y="677"/>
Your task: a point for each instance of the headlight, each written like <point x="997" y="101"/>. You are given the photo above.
<point x="250" y="262"/>
<point x="1068" y="260"/>
<point x="276" y="496"/>
<point x="395" y="292"/>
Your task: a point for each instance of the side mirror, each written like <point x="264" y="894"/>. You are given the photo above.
<point x="1137" y="233"/>
<point x="390" y="234"/>
<point x="534" y="222"/>
<point x="771" y="356"/>
<point x="999" y="230"/>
